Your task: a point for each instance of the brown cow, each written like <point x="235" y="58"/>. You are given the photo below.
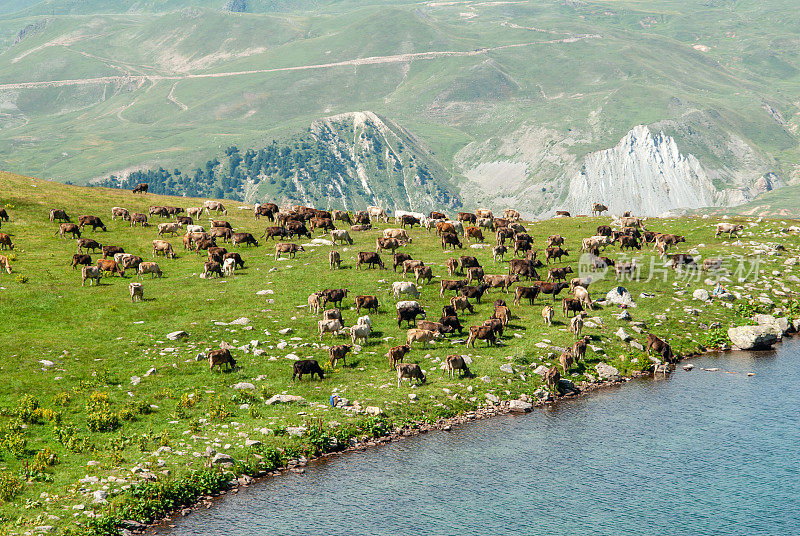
<point x="287" y="247"/>
<point x="87" y="243"/>
<point x="5" y="241"/>
<point x="449" y="284"/>
<point x="81" y="259"/>
<point x="500" y="281"/>
<point x="485" y="333"/>
<point x="110" y="265"/>
<point x="94" y="221"/>
<point x="461" y="303"/>
<point x="162" y="246"/>
<point x="730" y="228"/>
<point x="138" y="217"/>
<point x="566" y="360"/>
<point x="370" y="259"/>
<point x="424" y="273"/>
<point x="370" y="303"/>
<point x="110" y="251"/>
<point x="396" y="355"/>
<point x="69" y="228"/>
<point x="571" y="305"/>
<point x="550" y="288"/>
<point x="210" y="268"/>
<point x="221" y="358"/>
<point x="398" y="259"/>
<point x="58" y="214"/>
<point x="467" y="217"/>
<point x="456" y="363"/>
<point x="598" y="209"/>
<point x="386" y="243"/>
<point x="334" y="259"/>
<point x="528" y="293"/>
<point x="559" y="274"/>
<point x="140" y="188"/>
<point x="660" y="346"/>
<point x="452" y="266"/>
<point x="451" y="239"/>
<point x="338" y="352"/>
<point x="555" y="253"/>
<point x="474" y="232"/>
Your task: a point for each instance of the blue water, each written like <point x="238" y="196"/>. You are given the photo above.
<point x="700" y="453"/>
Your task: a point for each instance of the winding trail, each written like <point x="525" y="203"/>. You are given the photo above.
<point x="372" y="60"/>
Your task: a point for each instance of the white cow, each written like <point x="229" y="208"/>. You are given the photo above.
<point x="405" y="287"/>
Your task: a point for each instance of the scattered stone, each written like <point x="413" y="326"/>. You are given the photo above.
<point x="541" y="370"/>
<point x="46" y="363"/>
<point x="753" y="337"/>
<point x="636" y="345"/>
<point x="687" y="367"/>
<point x="622" y="334"/>
<point x="520" y="406"/>
<point x="285" y="331"/>
<point x="221" y="458"/>
<point x="243" y="385"/>
<point x="607" y="372"/>
<point x="624" y="315"/>
<point x="701" y="294"/>
<point x="150" y="372"/>
<point x="412" y="396"/>
<point x="241" y="321"/>
<point x="373" y="410"/>
<point x="284" y="399"/>
<point x="507" y="368"/>
<point x="135" y="380"/>
<point x="99" y="497"/>
<point x="177" y="335"/>
<point x="620" y="296"/>
<point x="494" y="399"/>
<point x="295" y="431"/>
<point x="252" y="443"/>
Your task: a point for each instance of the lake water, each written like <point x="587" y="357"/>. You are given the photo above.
<point x="700" y="453"/>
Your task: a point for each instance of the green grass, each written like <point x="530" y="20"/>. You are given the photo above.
<point x="98" y="341"/>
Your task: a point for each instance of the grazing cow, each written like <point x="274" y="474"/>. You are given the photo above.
<point x="730" y="228"/>
<point x="500" y="281"/>
<point x="92" y="273"/>
<point x="69" y="228"/>
<point x="396" y="355"/>
<point x="158" y="211"/>
<point x="140" y="188"/>
<point x="137" y="291"/>
<point x="423" y="273"/>
<point x="628" y="221"/>
<point x="334" y="296"/>
<point x="306" y="366"/>
<point x="604" y="230"/>
<point x="398" y="259"/>
<point x="498" y="252"/>
<point x="335" y="260"/>
<point x="5" y="242"/>
<point x="138" y="217"/>
<point x="580" y="282"/>
<point x="237" y="259"/>
<point x="370" y="259"/>
<point x="554" y="240"/>
<point x="341" y="235"/>
<point x="405" y="287"/>
<point x="149" y="268"/>
<point x="474" y="232"/>
<point x="386" y="243"/>
<point x="502" y="313"/>
<point x="412" y="371"/>
<point x="548" y="313"/>
<point x="451" y="240"/>
<point x="629" y="242"/>
<point x="485" y="223"/>
<point x="216" y="206"/>
<point x="162" y="246"/>
<point x="445" y="227"/>
<point x="574" y="305"/>
<point x="583" y="296"/>
<point x="475" y="274"/>
<point x="94" y="221"/>
<point x="484" y="213"/>
<point x="566" y="360"/>
<point x="475" y="293"/>
<point x="452" y="266"/>
<point x="221" y="358"/>
<point x="522" y="246"/>
<point x="528" y="293"/>
<point x="329" y="326"/>
<point x="576" y="324"/>
<point x="194" y="212"/>
<point x="523" y="268"/>
<point x="131" y="261"/>
<point x="332" y="314"/>
<point x="88" y="244"/>
<point x="370" y="303"/>
<point x="454" y="285"/>
<point x="467" y="217"/>
<point x="551" y="288"/>
<point x="187" y="221"/>
<point x="243" y="238"/>
<point x="421" y="335"/>
<point x="660" y="346"/>
<point x="625" y="268"/>
<point x="338" y="352"/>
<point x="551" y="378"/>
<point x="712" y="264"/>
<point x="411" y="265"/>
<point x="272" y="232"/>
<point x="511" y="214"/>
<point x="287" y="247"/>
<point x="216" y="253"/>
<point x="461" y="303"/>
<point x="500" y="223"/>
<point x="57" y="214"/>
<point x="378" y="213"/>
<point x="119" y="212"/>
<point x="434" y="215"/>
<point x="80" y="259"/>
<point x="579" y="348"/>
<point x="341" y="215"/>
<point x="555" y="253"/>
<point x="451" y="322"/>
<point x="210" y="268"/>
<point x="228" y="267"/>
<point x="562" y="213"/>
<point x="172" y="228"/>
<point x="111" y="251"/>
<point x="468" y="261"/>
<point x="5" y="264"/>
<point x="409" y="311"/>
<point x="448" y="310"/>
<point x="485" y="333"/>
<point x="682" y="259"/>
<point x="221" y="232"/>
<point x="268" y="209"/>
<point x="502" y="234"/>
<point x="456" y="363"/>
<point x="326" y="224"/>
<point x="408" y="219"/>
<point x="559" y="274"/>
<point x="362" y="218"/>
<point x="314" y="302"/>
<point x="601" y="263"/>
<point x="598" y="209"/>
<point x="436" y="327"/>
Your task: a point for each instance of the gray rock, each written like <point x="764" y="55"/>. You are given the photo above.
<point x="622" y="334"/>
<point x="244" y="385"/>
<point x="241" y="321"/>
<point x="285" y="331"/>
<point x="620" y="296"/>
<point x="565" y="385"/>
<point x="507" y="368"/>
<point x="541" y="370"/>
<point x="753" y="337"/>
<point x="520" y="406"/>
<point x="135" y="380"/>
<point x="221" y="458"/>
<point x="284" y="399"/>
<point x="150" y="372"/>
<point x="201" y="356"/>
<point x="636" y="345"/>
<point x="296" y="431"/>
<point x="624" y="315"/>
<point x="252" y="443"/>
<point x="607" y="372"/>
<point x="492" y="398"/>
<point x="701" y="294"/>
<point x="177" y="335"/>
<point x="100" y="496"/>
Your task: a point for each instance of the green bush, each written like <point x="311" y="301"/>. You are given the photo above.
<point x="28" y="405"/>
<point x="99" y="416"/>
<point x="10" y="486"/>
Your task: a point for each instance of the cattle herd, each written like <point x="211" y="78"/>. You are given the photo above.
<point x="465" y="282"/>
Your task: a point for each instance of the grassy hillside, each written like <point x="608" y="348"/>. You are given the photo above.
<point x="173" y="83"/>
<point x="84" y="359"/>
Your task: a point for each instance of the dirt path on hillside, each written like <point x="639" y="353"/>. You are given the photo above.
<point x="372" y="60"/>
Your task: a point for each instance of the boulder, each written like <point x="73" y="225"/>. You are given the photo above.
<point x="241" y="321"/>
<point x="99" y="497"/>
<point x="494" y="399"/>
<point x="177" y="335"/>
<point x="565" y="386"/>
<point x="622" y="334"/>
<point x="373" y="410"/>
<point x="520" y="406"/>
<point x="701" y="294"/>
<point x="220" y="458"/>
<point x="624" y="315"/>
<point x="607" y="372"/>
<point x="541" y="370"/>
<point x="753" y="337"/>
<point x="620" y="296"/>
<point x="244" y="385"/>
<point x="507" y="368"/>
<point x="284" y="399"/>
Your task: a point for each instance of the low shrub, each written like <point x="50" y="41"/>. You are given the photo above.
<point x="10" y="486"/>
